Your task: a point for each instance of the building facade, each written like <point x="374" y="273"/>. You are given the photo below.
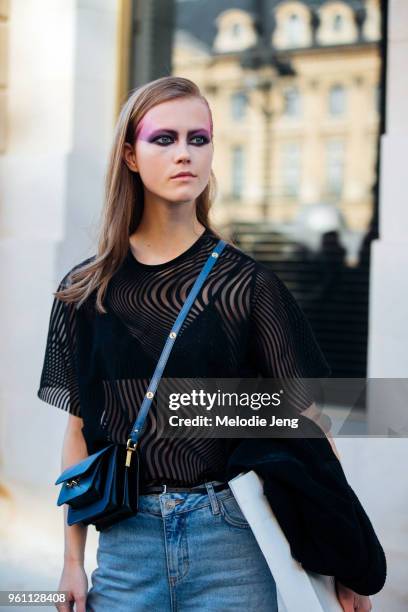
<point x="295" y="90"/>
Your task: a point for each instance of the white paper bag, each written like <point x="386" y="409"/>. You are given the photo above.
<point x="296" y="588"/>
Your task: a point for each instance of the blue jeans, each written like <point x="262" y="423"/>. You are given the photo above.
<point x="182" y="552"/>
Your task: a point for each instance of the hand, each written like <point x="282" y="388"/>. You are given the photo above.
<point x="351" y="601"/>
<point x="75" y="581"/>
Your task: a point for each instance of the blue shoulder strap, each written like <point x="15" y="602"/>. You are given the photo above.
<point x="144" y="409"/>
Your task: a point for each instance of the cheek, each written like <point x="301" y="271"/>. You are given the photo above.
<point x="146" y="152"/>
<point x="206" y="161"/>
<point x="152" y="162"/>
<point x="202" y="157"/>
<point x="151" y="177"/>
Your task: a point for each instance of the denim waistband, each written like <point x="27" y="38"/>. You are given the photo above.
<point x="163" y="504"/>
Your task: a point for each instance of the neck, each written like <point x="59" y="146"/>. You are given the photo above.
<point x="165" y="230"/>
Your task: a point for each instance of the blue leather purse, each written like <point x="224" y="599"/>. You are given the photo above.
<point x="104" y="488"/>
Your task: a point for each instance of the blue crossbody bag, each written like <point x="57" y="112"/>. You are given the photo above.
<point x="104" y="488"/>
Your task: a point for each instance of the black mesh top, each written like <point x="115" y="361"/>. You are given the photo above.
<point x="243" y="323"/>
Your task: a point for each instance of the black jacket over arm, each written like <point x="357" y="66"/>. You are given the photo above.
<point x="325" y="524"/>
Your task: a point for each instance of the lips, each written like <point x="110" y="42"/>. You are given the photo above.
<point x="183" y="174"/>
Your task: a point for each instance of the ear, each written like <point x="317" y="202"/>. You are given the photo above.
<point x="129" y="157"/>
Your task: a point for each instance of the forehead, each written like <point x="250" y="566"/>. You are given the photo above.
<point x="179" y="114"/>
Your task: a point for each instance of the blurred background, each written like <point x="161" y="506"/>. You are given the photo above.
<point x="310" y="135"/>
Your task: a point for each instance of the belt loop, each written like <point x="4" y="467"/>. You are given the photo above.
<point x="215" y="507"/>
<point x="164" y="491"/>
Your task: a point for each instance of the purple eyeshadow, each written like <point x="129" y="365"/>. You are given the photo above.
<point x="144" y="132"/>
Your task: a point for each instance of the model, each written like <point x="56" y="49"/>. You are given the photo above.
<point x="189" y="546"/>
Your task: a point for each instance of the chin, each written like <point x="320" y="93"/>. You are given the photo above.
<point x="182" y="197"/>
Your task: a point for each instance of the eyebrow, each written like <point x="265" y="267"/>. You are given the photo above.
<point x="175" y="133"/>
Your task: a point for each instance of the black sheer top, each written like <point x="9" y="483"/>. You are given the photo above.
<point x="244" y="323"/>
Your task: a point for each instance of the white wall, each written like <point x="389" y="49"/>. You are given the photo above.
<point x="60" y="118"/>
<point x="378" y="467"/>
<point x="388" y="355"/>
<point x="93" y="121"/>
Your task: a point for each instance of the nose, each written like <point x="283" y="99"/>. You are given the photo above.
<point x="182" y="152"/>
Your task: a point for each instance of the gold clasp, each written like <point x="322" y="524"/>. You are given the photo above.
<point x="129" y="452"/>
<point x="72" y="483"/>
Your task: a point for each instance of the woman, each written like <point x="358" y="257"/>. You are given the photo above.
<point x="189" y="546"/>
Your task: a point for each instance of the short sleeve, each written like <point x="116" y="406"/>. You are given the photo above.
<point x="282" y="343"/>
<point x="59" y="381"/>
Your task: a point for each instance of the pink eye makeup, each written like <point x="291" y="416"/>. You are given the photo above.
<point x="166" y="137"/>
<point x="163" y="136"/>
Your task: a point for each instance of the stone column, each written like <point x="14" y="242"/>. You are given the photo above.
<point x="61" y="95"/>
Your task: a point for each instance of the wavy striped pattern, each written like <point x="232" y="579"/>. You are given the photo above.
<point x="244" y="323"/>
<point x="59" y="382"/>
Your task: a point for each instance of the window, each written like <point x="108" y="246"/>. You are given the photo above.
<point x="239" y="104"/>
<point x="291" y="168"/>
<point x="337" y="100"/>
<point x="338" y="23"/>
<point x="236" y="29"/>
<point x="291" y="102"/>
<point x="237" y="171"/>
<point x="335" y="166"/>
<point x="293" y="26"/>
<point x="294" y="30"/>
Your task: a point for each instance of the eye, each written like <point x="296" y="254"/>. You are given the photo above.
<point x="161" y="140"/>
<point x="161" y="137"/>
<point x="204" y="140"/>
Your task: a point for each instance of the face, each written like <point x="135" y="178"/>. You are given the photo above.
<point x="173" y="137"/>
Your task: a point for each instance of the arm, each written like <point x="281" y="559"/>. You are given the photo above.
<point x="323" y="421"/>
<point x="74" y="578"/>
<point x="347" y="598"/>
<point x="74" y="450"/>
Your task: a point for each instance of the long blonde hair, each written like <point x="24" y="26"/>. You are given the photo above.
<point x="124" y="195"/>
